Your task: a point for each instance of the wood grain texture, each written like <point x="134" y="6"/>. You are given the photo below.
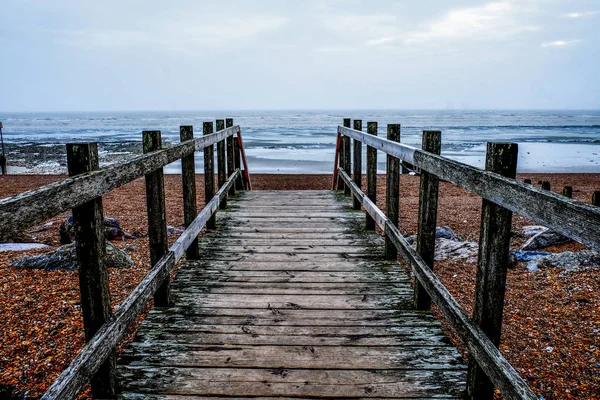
<point x="209" y="171"/>
<point x="90" y="248"/>
<point x="188" y="184"/>
<point x="427" y="219"/>
<point x="278" y="315"/>
<point x="157" y="215"/>
<point x="221" y="162"/>
<point x="357" y="162"/>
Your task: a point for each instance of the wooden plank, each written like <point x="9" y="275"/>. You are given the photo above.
<point x="90" y="248"/>
<point x="494" y="246"/>
<point x="157" y="215"/>
<point x="221" y="162"/>
<point x="371" y="174"/>
<point x="292" y="276"/>
<point x="347" y="156"/>
<point x="188" y="183"/>
<point x="357" y="162"/>
<point x="230" y="155"/>
<point x="36" y="206"/>
<point x="310" y="249"/>
<point x="306" y="339"/>
<point x="427" y="220"/>
<point x="363" y="302"/>
<point x="576" y="220"/>
<point x="209" y="172"/>
<point x="307" y="383"/>
<point x="392" y="189"/>
<point x="323" y="357"/>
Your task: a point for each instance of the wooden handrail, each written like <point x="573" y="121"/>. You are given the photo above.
<point x="497" y="368"/>
<point x="36" y="206"/>
<point x="576" y="220"/>
<point x="95" y="352"/>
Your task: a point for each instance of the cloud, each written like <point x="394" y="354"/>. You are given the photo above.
<point x="177" y="36"/>
<point x="581" y="14"/>
<point x="491" y="21"/>
<point x="560" y="43"/>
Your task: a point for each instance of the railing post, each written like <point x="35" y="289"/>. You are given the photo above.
<point x="237" y="156"/>
<point x="157" y="215"/>
<point x="188" y="182"/>
<point x="494" y="242"/>
<point x="596" y="198"/>
<point x="357" y="175"/>
<point x="221" y="162"/>
<point x="346" y="163"/>
<point x="209" y="173"/>
<point x="90" y="248"/>
<point x="568" y="191"/>
<point x="392" y="190"/>
<point x="428" y="204"/>
<point x="230" y="155"/>
<point x="546" y="185"/>
<point x="371" y="174"/>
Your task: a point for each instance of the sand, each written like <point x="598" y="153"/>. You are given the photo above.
<point x="547" y="309"/>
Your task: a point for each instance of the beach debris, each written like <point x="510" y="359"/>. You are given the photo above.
<point x="21" y="246"/>
<point x="519" y="255"/>
<point x="171" y="230"/>
<point x="544" y="238"/>
<point x="64" y="258"/>
<point x="447" y="233"/>
<point x="567" y="260"/>
<point x="43" y="228"/>
<point x="532" y="230"/>
<point x="449" y="245"/>
<point x="112" y="230"/>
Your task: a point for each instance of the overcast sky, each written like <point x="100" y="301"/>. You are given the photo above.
<point x="282" y="54"/>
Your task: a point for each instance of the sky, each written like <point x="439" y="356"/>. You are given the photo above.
<point x="290" y="54"/>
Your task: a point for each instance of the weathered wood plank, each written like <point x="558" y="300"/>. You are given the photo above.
<point x="306" y="383"/>
<point x="188" y="183"/>
<point x="427" y="220"/>
<point x="322" y="357"/>
<point x="494" y="246"/>
<point x="209" y="172"/>
<point x="90" y="248"/>
<point x="357" y="162"/>
<point x="392" y="189"/>
<point x="157" y="215"/>
<point x="371" y="174"/>
<point x="221" y="162"/>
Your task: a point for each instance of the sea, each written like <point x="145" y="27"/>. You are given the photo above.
<point x="303" y="141"/>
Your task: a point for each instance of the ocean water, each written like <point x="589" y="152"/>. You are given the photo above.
<point x="303" y="141"/>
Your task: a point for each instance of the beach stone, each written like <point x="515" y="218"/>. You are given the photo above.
<point x="112" y="230"/>
<point x="567" y="260"/>
<point x="446" y="232"/>
<point x="454" y="248"/>
<point x="544" y="238"/>
<point x="171" y="230"/>
<point x="65" y="258"/>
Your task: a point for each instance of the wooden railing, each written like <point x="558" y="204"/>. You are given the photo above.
<point x="82" y="192"/>
<point x="502" y="195"/>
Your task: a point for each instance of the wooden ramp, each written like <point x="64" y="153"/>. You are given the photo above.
<point x="291" y="298"/>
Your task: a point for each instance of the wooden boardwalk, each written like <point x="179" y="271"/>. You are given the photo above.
<point x="291" y="298"/>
